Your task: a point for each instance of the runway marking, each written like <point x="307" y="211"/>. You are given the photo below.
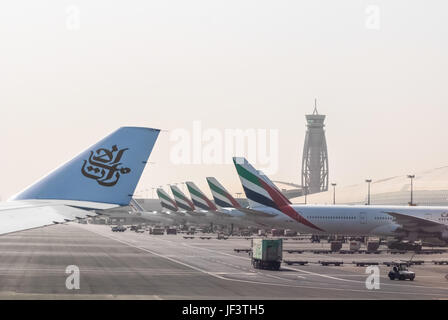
<point x="5" y="295"/>
<point x="267" y="283"/>
<point x="242" y="273"/>
<point x="313" y="273"/>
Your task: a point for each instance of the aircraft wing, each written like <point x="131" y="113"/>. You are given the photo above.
<point x="413" y="223"/>
<point x="23" y="215"/>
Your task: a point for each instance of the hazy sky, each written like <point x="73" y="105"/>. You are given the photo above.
<point x="73" y="71"/>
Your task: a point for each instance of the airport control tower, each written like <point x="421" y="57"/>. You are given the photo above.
<point x="315" y="156"/>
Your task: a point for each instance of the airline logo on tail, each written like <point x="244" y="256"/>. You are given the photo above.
<point x="221" y="196"/>
<point x="200" y="200"/>
<point x="182" y="201"/>
<point x="166" y="201"/>
<point x="104" y="166"/>
<point x="260" y="192"/>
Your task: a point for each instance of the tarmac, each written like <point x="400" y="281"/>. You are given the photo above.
<point x="129" y="265"/>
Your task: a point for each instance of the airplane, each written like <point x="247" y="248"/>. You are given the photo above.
<point x="102" y="177"/>
<point x="402" y="222"/>
<point x="199" y="210"/>
<point x="155" y="217"/>
<point x="170" y="208"/>
<point x="166" y="201"/>
<point x="188" y="208"/>
<point x="213" y="215"/>
<point x="227" y="203"/>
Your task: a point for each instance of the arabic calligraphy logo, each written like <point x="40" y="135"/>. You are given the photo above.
<point x="104" y="166"/>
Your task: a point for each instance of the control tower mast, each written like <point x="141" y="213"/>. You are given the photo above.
<point x="315" y="156"/>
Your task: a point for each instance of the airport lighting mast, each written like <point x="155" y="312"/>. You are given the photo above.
<point x="315" y="155"/>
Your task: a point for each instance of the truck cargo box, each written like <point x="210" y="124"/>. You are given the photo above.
<point x="373" y="246"/>
<point x="290" y="233"/>
<point x="267" y="249"/>
<point x="336" y="246"/>
<point x="157" y="231"/>
<point x="355" y="245"/>
<point x="171" y="231"/>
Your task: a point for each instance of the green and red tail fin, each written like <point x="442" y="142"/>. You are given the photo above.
<point x="260" y="191"/>
<point x="268" y="181"/>
<point x="166" y="201"/>
<point x="221" y="196"/>
<point x="181" y="200"/>
<point x="199" y="199"/>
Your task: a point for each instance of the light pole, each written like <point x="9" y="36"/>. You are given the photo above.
<point x="306" y="192"/>
<point x="334" y="192"/>
<point x="412" y="176"/>
<point x="368" y="191"/>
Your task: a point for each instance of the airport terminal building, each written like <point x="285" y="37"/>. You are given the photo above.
<point x="430" y="188"/>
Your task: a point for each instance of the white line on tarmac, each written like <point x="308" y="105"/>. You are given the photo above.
<point x="267" y="283"/>
<point x="314" y="273"/>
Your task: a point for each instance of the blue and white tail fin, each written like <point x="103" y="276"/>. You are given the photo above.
<point x="199" y="199"/>
<point x="181" y="200"/>
<point x="166" y="201"/>
<point x="222" y="197"/>
<point x="107" y="172"/>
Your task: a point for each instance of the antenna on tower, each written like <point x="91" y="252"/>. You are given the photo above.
<point x="315" y="107"/>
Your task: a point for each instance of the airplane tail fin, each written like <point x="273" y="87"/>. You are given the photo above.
<point x="200" y="200"/>
<point x="259" y="190"/>
<point x="221" y="196"/>
<point x="107" y="172"/>
<point x="269" y="181"/>
<point x="135" y="206"/>
<point x="181" y="200"/>
<point x="166" y="201"/>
